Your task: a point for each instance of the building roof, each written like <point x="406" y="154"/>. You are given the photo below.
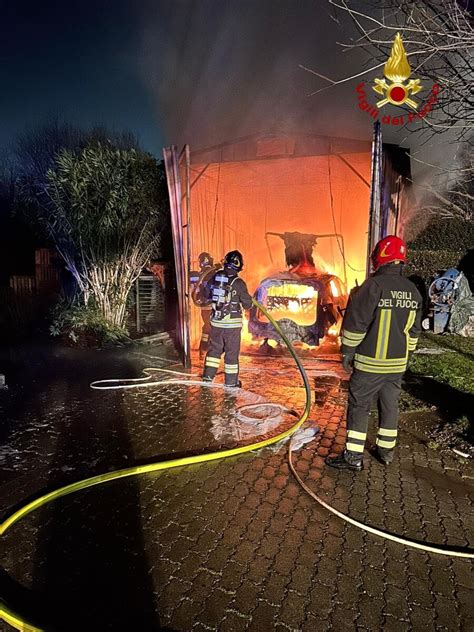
<point x="278" y="145"/>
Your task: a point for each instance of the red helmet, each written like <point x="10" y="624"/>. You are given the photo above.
<point x="388" y="250"/>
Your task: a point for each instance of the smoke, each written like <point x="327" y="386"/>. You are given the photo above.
<point x="220" y="69"/>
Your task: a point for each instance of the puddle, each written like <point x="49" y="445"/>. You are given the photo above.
<point x="446" y="482"/>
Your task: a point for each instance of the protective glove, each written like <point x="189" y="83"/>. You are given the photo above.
<point x="347" y="362"/>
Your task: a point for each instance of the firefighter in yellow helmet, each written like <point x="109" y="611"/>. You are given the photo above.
<point x="380" y="329"/>
<point x="229" y="294"/>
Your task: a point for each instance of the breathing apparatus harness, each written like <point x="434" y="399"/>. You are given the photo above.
<point x="223" y="294"/>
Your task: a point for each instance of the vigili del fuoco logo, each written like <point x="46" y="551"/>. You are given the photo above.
<point x="397" y="91"/>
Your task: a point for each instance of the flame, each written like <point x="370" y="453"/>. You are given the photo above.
<point x="397" y="68"/>
<point x="275" y="189"/>
<point x="299" y="302"/>
<point x="293" y="306"/>
<point x="292" y="290"/>
<point x="334" y="289"/>
<point x="304" y="269"/>
<point x="337" y="269"/>
<point x="246" y="337"/>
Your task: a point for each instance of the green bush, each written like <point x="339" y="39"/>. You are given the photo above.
<point x="106" y="210"/>
<point x="441" y="245"/>
<point x="84" y="326"/>
<point x="456" y="235"/>
<point x="426" y="263"/>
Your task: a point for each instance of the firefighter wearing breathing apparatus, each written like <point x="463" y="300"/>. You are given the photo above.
<point x="199" y="282"/>
<point x="229" y="294"/>
<point x="380" y="329"/>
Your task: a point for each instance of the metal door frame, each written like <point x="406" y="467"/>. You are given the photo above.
<point x="178" y="169"/>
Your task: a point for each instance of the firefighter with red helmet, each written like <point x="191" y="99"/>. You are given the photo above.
<point x="380" y="329"/>
<point x="229" y="294"/>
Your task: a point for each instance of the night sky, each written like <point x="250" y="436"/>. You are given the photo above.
<point x="78" y="61"/>
<point x="175" y="71"/>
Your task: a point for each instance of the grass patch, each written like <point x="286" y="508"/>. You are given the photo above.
<point x="455" y="367"/>
<point x="444" y="382"/>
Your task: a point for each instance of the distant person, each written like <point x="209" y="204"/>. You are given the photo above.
<point x="380" y="329"/>
<point x="229" y="294"/>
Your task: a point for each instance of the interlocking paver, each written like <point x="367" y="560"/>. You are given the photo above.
<point x="183" y="616"/>
<point x="275" y="588"/>
<point x="264" y="617"/>
<point x="423" y="620"/>
<point x="231" y="545"/>
<point x="343" y="618"/>
<point x="234" y="622"/>
<point x="371" y="615"/>
<point x="215" y="605"/>
<point x="292" y="611"/>
<point x="445" y="608"/>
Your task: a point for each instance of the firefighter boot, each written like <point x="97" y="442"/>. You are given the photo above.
<point x="238" y="384"/>
<point x="346" y="461"/>
<point x="383" y="455"/>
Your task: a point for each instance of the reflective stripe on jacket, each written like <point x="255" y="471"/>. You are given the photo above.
<point x="382" y="322"/>
<point x="227" y="323"/>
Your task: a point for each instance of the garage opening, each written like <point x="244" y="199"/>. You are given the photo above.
<point x="299" y="209"/>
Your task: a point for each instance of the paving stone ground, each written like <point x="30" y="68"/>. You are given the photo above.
<point x="227" y="545"/>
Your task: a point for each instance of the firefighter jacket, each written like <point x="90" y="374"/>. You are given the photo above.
<point x="232" y="294"/>
<point x="382" y="322"/>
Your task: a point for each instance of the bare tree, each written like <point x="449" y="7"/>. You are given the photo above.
<point x="439" y="40"/>
<point x="439" y="37"/>
<point x="453" y="197"/>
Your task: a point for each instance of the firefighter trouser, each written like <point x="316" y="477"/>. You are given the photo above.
<point x="206" y="329"/>
<point x="363" y="388"/>
<point x="227" y="342"/>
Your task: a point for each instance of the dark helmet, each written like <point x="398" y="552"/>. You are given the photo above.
<point x="205" y="260"/>
<point x="234" y="260"/>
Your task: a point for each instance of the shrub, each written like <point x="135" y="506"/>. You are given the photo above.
<point x="84" y="326"/>
<point x="441" y="245"/>
<point x="107" y="209"/>
<point x="456" y="235"/>
<point x="426" y="263"/>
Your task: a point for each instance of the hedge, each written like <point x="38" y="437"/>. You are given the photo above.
<point x="454" y="234"/>
<point x="441" y="245"/>
<point x="426" y="263"/>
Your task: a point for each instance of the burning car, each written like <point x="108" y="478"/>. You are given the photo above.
<point x="306" y="302"/>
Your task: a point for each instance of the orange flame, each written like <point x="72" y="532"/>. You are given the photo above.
<point x="287" y="194"/>
<point x="246" y="337"/>
<point x="300" y="300"/>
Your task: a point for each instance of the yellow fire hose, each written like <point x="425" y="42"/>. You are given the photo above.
<point x="17" y="621"/>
